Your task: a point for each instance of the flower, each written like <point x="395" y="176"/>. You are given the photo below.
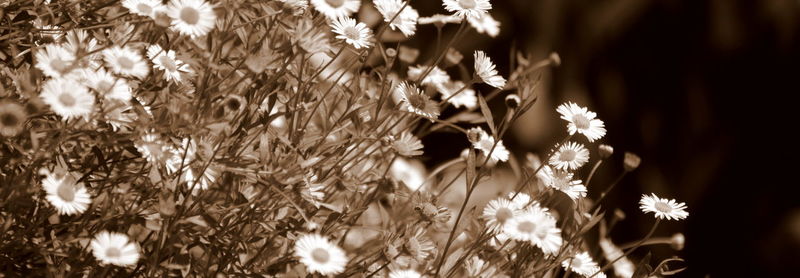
<point x="570" y="156"/>
<point x="435" y="77"/>
<point x="521" y="200"/>
<point x="467" y="8"/>
<point x="406" y="21"/>
<point x="409" y="172"/>
<point x="296" y="7"/>
<point x="438" y="19"/>
<point x="623" y="267"/>
<point x="125" y="61"/>
<point x="333" y="9"/>
<point x="308" y="37"/>
<point x="497" y="211"/>
<point x="485" y="69"/>
<point x="419" y="246"/>
<point x="165" y="60"/>
<point x="357" y="35"/>
<point x="487" y="146"/>
<point x="582" y="121"/>
<point x="536" y="226"/>
<point x="562" y="180"/>
<point x="485" y="24"/>
<point x="55" y="60"/>
<point x="581" y="264"/>
<point x="417" y="102"/>
<point x="146" y="8"/>
<point x="663" y="208"/>
<point x="12" y="118"/>
<point x="407" y="145"/>
<point x="151" y="147"/>
<point x="114" y="248"/>
<point x="193" y="18"/>
<point x="408" y="273"/>
<point x="67" y="98"/>
<point x="319" y="255"/>
<point x="465" y="98"/>
<point x="105" y="84"/>
<point x="65" y="195"/>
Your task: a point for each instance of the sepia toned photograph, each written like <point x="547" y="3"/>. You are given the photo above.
<point x="399" y="138"/>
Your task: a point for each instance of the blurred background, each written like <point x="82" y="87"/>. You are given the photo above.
<point x="701" y="90"/>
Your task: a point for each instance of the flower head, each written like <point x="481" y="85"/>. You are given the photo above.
<point x="55" y="60"/>
<point x="486" y="144"/>
<point x="405" y="21"/>
<point x="467" y="8"/>
<point x="125" y="61"/>
<point x="497" y="212"/>
<point x="12" y="118"/>
<point x="165" y="60"/>
<point x="581" y="264"/>
<point x="436" y="76"/>
<point x="562" y="180"/>
<point x="353" y="33"/>
<point x="320" y="255"/>
<point x="407" y="145"/>
<point x="536" y="226"/>
<point x="663" y="208"/>
<point x="582" y="121"/>
<point x="193" y="18"/>
<point x="114" y="248"/>
<point x="107" y="85"/>
<point x="485" y="69"/>
<point x="333" y="9"/>
<point x="146" y="8"/>
<point x="485" y="24"/>
<point x="65" y="195"/>
<point x="465" y="98"/>
<point x="408" y="273"/>
<point x="417" y="102"/>
<point x="569" y="156"/>
<point x="67" y="98"/>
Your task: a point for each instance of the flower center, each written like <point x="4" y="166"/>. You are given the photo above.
<point x="320" y="255"/>
<point x="567" y="155"/>
<point x="168" y="63"/>
<point x="335" y="3"/>
<point x="190" y="15"/>
<point x="526" y="227"/>
<point x="8" y="119"/>
<point x="416" y="101"/>
<point x="580" y="122"/>
<point x="104" y="86"/>
<point x="144" y="8"/>
<point x="234" y="104"/>
<point x="113" y="252"/>
<point x="59" y="65"/>
<point x="66" y="191"/>
<point x="352" y="33"/>
<point x="503" y="214"/>
<point x="663" y="207"/>
<point x="467" y="4"/>
<point x="125" y="63"/>
<point x="67" y="100"/>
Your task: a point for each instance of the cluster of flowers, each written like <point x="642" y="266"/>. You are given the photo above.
<point x="278" y="138"/>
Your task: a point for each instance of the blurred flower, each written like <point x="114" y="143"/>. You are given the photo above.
<point x="12" y="118"/>
<point x="521" y="200"/>
<point x="677" y="241"/>
<point x="125" y="61"/>
<point x="581" y="264"/>
<point x="429" y="211"/>
<point x="465" y="98"/>
<point x="435" y="77"/>
<point x="485" y="24"/>
<point x="55" y="60"/>
<point x="513" y="101"/>
<point x="67" y="98"/>
<point x="663" y="208"/>
<point x="562" y="180"/>
<point x="193" y="18"/>
<point x="146" y="8"/>
<point x="319" y="255"/>
<point x="309" y="38"/>
<point x="417" y="102"/>
<point x="467" y="8"/>
<point x="333" y="9"/>
<point x="631" y="161"/>
<point x="605" y="151"/>
<point x="107" y="85"/>
<point x="353" y="33"/>
<point x="582" y="121"/>
<point x="114" y="248"/>
<point x="623" y="267"/>
<point x="537" y="227"/>
<point x="65" y="195"/>
<point x="297" y="7"/>
<point x="486" y="145"/>
<point x="165" y="60"/>
<point x="152" y="148"/>
<point x="419" y="246"/>
<point x="569" y="156"/>
<point x="485" y="69"/>
<point x="406" y="21"/>
<point x="408" y="273"/>
<point x="439" y="19"/>
<point x="409" y="172"/>
<point x="407" y="145"/>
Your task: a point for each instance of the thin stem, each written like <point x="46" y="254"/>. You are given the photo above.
<point x="649" y="234"/>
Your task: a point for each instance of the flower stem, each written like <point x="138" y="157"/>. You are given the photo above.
<point x="649" y="234"/>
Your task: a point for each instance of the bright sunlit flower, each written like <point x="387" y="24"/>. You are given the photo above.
<point x="496" y="213"/>
<point x="623" y="267"/>
<point x="409" y="172"/>
<point x="485" y="69"/>
<point x="353" y="33"/>
<point x="486" y="144"/>
<point x="417" y="102"/>
<point x="333" y="9"/>
<point x="107" y="85"/>
<point x="485" y="24"/>
<point x="522" y="200"/>
<point x="536" y="226"/>
<point x="407" y="145"/>
<point x="55" y="60"/>
<point x="12" y="118"/>
<point x="569" y="156"/>
<point x="406" y="21"/>
<point x="193" y="18"/>
<point x="465" y="98"/>
<point x="319" y="255"/>
<point x="165" y="60"/>
<point x="419" y="246"/>
<point x="562" y="180"/>
<point x="67" y="98"/>
<point x="435" y="77"/>
<point x="408" y="273"/>
<point x="467" y="8"/>
<point x="126" y="61"/>
<point x="582" y="121"/>
<point x="114" y="248"/>
<point x="581" y="264"/>
<point x="663" y="208"/>
<point x="146" y="8"/>
<point x="66" y="196"/>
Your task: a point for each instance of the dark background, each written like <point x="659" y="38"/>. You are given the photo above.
<point x="701" y="90"/>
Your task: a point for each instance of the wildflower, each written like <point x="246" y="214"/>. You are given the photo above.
<point x="435" y="77"/>
<point x="428" y="211"/>
<point x="333" y="9"/>
<point x="537" y="227"/>
<point x="409" y="172"/>
<point x="419" y="246"/>
<point x="438" y="19"/>
<point x="485" y="69"/>
<point x="67" y="98"/>
<point x="55" y="60"/>
<point x="313" y="190"/>
<point x="309" y="38"/>
<point x="193" y="18"/>
<point x="407" y="145"/>
<point x="405" y="21"/>
<point x="467" y="8"/>
<point x="631" y="161"/>
<point x="234" y="104"/>
<point x="663" y="208"/>
<point x="465" y="98"/>
<point x="296" y="7"/>
<point x="623" y="267"/>
<point x="353" y="33"/>
<point x="485" y="24"/>
<point x="513" y="101"/>
<point x="605" y="151"/>
<point x="125" y="61"/>
<point x="408" y="273"/>
<point x="562" y="180"/>
<point x="319" y="255"/>
<point x="486" y="144"/>
<point x="417" y="102"/>
<point x="497" y="211"/>
<point x="521" y="200"/>
<point x="165" y="60"/>
<point x="581" y="264"/>
<point x="114" y="248"/>
<point x="146" y="8"/>
<point x="65" y="195"/>
<point x="151" y="147"/>
<point x="12" y="118"/>
<point x="107" y="85"/>
<point x="582" y="121"/>
<point x="569" y="156"/>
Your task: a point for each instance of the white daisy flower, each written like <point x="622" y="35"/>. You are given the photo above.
<point x="406" y="21"/>
<point x="522" y="200"/>
<point x="182" y="156"/>
<point x="114" y="248"/>
<point x="107" y="85"/>
<point x="353" y="33"/>
<point x="582" y="121"/>
<point x="436" y="76"/>
<point x="408" y="273"/>
<point x="467" y="8"/>
<point x="126" y="61"/>
<point x="80" y="43"/>
<point x="407" y="145"/>
<point x="485" y="24"/>
<point x="496" y="213"/>
<point x="663" y="208"/>
<point x="466" y="98"/>
<point x="569" y="156"/>
<point x="417" y="102"/>
<point x="65" y="195"/>
<point x="581" y="264"/>
<point x="193" y="18"/>
<point x="537" y="227"/>
<point x="165" y="60"/>
<point x="333" y="9"/>
<point x="623" y="267"/>
<point x="486" y="145"/>
<point x="562" y="180"/>
<point x="55" y="60"/>
<point x="67" y="98"/>
<point x="152" y="148"/>
<point x="146" y="8"/>
<point x="203" y="182"/>
<point x="409" y="172"/>
<point x="319" y="255"/>
<point x="485" y="69"/>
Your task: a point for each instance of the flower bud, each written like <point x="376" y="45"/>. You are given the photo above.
<point x="555" y="59"/>
<point x="631" y="161"/>
<point x="513" y="101"/>
<point x="605" y="151"/>
<point x="474" y="135"/>
<point x="676" y="241"/>
<point x="391" y="52"/>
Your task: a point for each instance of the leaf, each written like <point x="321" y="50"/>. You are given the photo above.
<point x="470" y="170"/>
<point x="663" y="268"/>
<point x="592" y="222"/>
<point x="487" y="114"/>
<point x="643" y="269"/>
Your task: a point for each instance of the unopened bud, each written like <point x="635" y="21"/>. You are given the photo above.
<point x="555" y="59"/>
<point x="619" y="214"/>
<point x="474" y="134"/>
<point x="605" y="151"/>
<point x="631" y="162"/>
<point x="677" y="241"/>
<point x="513" y="101"/>
<point x="453" y="57"/>
<point x="391" y="52"/>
